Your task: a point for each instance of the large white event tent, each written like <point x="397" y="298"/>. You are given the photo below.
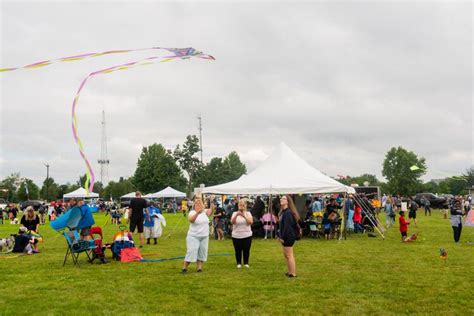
<point x="284" y="172"/>
<point x="128" y="195"/>
<point x="167" y="192"/>
<point x="80" y="193"/>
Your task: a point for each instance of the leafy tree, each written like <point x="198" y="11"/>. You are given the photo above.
<point x="233" y="167"/>
<point x="115" y="190"/>
<point x="219" y="170"/>
<point x="187" y="160"/>
<point x="157" y="169"/>
<point x="444" y="187"/>
<point x="397" y="169"/>
<point x="10" y="186"/>
<point x="66" y="188"/>
<point x="371" y="179"/>
<point x="49" y="190"/>
<point x="33" y="190"/>
<point x="210" y="174"/>
<point x="98" y="188"/>
<point x="457" y="186"/>
<point x="431" y="187"/>
<point x="469" y="175"/>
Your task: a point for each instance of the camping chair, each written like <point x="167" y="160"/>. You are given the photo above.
<point x="75" y="246"/>
<point x="99" y="250"/>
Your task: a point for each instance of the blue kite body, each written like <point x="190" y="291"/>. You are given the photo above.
<point x="75" y="218"/>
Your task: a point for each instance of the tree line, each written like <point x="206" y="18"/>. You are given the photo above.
<point x="181" y="168"/>
<point x="403" y="170"/>
<point x="156" y="169"/>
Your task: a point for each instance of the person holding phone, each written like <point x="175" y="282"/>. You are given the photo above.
<point x="197" y="240"/>
<point x="242" y="233"/>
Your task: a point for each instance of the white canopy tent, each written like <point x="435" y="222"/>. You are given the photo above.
<point x="284" y="172"/>
<point x="80" y="193"/>
<point x="128" y="195"/>
<point x="167" y="192"/>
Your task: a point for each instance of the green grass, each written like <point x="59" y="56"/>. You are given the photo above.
<point x="360" y="275"/>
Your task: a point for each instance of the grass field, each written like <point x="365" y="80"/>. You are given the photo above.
<point x="360" y="275"/>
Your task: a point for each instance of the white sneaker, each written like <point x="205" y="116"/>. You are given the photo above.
<point x="246" y="265"/>
<point x="239" y="266"/>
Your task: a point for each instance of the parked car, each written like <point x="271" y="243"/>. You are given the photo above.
<point x="435" y="201"/>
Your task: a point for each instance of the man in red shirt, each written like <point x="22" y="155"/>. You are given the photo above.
<point x="403" y="225"/>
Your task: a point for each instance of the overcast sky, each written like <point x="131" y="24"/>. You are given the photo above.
<point x="339" y="82"/>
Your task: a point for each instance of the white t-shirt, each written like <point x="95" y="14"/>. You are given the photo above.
<point x="241" y="229"/>
<point x="200" y="227"/>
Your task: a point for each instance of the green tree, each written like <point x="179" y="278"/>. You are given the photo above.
<point x="9" y="187"/>
<point x="219" y="170"/>
<point x="443" y="187"/>
<point x="457" y="186"/>
<point x="397" y="168"/>
<point x="360" y="180"/>
<point x="157" y="169"/>
<point x="49" y="190"/>
<point x="66" y="188"/>
<point x="233" y="167"/>
<point x="98" y="188"/>
<point x="187" y="160"/>
<point x="33" y="190"/>
<point x="115" y="190"/>
<point x="469" y="175"/>
<point x="431" y="187"/>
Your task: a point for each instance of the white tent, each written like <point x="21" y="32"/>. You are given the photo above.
<point x="284" y="172"/>
<point x="80" y="193"/>
<point x="128" y="195"/>
<point x="167" y="192"/>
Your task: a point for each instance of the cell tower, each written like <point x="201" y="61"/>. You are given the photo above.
<point x="200" y="134"/>
<point x="104" y="159"/>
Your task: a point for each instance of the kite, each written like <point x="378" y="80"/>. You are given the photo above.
<point x="414" y="168"/>
<point x="177" y="53"/>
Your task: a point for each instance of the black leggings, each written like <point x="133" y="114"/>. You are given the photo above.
<point x="242" y="246"/>
<point x="457" y="232"/>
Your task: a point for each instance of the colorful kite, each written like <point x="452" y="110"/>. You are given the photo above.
<point x="177" y="53"/>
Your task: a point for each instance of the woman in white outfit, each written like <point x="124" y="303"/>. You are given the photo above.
<point x="197" y="240"/>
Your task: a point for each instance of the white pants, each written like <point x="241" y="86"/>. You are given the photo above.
<point x="196" y="248"/>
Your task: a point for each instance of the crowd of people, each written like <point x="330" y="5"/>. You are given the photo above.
<point x="241" y="219"/>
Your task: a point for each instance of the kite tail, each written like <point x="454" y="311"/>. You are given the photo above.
<point x="90" y="177"/>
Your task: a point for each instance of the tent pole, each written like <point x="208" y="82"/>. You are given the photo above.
<point x="344" y="224"/>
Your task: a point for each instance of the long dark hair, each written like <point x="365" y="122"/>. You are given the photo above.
<point x="292" y="207"/>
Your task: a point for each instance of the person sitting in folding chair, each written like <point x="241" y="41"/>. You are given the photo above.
<point x="78" y="218"/>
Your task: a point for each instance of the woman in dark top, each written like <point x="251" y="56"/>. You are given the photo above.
<point x="289" y="218"/>
<point x="456" y="220"/>
<point x="30" y="220"/>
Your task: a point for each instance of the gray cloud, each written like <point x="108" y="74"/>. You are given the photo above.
<point x="341" y="83"/>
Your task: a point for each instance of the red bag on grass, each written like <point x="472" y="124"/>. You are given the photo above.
<point x="130" y="255"/>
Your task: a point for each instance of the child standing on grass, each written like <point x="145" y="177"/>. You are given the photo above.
<point x="403" y="225"/>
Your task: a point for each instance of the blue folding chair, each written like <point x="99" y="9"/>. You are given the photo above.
<point x="76" y="246"/>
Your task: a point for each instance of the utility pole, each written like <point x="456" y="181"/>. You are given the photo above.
<point x="200" y="134"/>
<point x="47" y="180"/>
<point x="103" y="160"/>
